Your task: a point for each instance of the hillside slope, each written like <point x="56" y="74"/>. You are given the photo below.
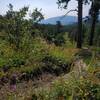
<point x="64" y="20"/>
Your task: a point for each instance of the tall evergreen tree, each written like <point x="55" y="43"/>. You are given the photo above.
<point x="94" y="13"/>
<point x="80" y="10"/>
<point x="58" y="25"/>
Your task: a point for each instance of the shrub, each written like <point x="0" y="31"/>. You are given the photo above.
<point x="71" y="89"/>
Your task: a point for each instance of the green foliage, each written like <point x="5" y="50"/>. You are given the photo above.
<point x="32" y="49"/>
<point x="36" y="55"/>
<point x="36" y="15"/>
<point x="78" y="89"/>
<point x="52" y="33"/>
<point x="14" y="24"/>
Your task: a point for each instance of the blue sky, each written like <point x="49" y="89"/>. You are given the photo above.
<point x="49" y="7"/>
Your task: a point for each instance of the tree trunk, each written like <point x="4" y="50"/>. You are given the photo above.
<point x="92" y="31"/>
<point x="79" y="35"/>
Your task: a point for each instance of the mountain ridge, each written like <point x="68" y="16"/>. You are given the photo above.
<point x="65" y="20"/>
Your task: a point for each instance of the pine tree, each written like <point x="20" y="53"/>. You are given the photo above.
<point x="94" y="13"/>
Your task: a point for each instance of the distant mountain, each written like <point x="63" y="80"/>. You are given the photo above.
<point x="65" y="20"/>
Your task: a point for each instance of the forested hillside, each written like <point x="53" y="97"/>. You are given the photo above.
<point x="50" y="62"/>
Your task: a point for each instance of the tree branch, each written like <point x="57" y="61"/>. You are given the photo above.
<point x="69" y="12"/>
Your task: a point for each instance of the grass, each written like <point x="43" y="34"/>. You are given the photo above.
<point x="31" y="59"/>
<point x="39" y="55"/>
<point x="81" y="89"/>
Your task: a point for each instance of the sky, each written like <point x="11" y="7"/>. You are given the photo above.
<point x="49" y="7"/>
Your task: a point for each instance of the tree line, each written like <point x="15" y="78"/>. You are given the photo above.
<point x="93" y="14"/>
<point x="19" y="29"/>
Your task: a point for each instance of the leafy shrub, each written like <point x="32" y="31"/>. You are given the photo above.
<point x="55" y="65"/>
<point x="16" y="62"/>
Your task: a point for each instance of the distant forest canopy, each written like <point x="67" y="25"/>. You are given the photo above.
<point x="65" y="20"/>
<point x="84" y="31"/>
